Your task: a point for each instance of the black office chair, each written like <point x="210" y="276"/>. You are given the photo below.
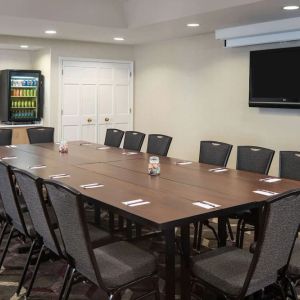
<point x="254" y="159"/>
<point x="159" y="144"/>
<point x="113" y="137"/>
<point x="289" y="165"/>
<point x="48" y="234"/>
<point x="5" y="137"/>
<point x="20" y="222"/>
<point x="213" y="153"/>
<point x="113" y="267"/>
<point x="251" y="159"/>
<point x="236" y="273"/>
<point x="294" y="272"/>
<point x="40" y="135"/>
<point x="133" y="140"/>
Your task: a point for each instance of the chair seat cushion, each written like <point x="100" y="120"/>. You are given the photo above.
<point x="121" y="262"/>
<point x="294" y="266"/>
<point x="224" y="268"/>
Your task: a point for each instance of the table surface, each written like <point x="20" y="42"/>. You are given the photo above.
<point x="124" y="177"/>
<point x="171" y="195"/>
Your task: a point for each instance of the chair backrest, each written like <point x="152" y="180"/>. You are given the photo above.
<point x="10" y="199"/>
<point x="133" y="140"/>
<point x="254" y="159"/>
<point x="113" y="137"/>
<point x="281" y="217"/>
<point x="31" y="189"/>
<point x="214" y="153"/>
<point x="159" y="144"/>
<point x="68" y="206"/>
<point x="5" y="137"/>
<point x="289" y="164"/>
<point x="40" y="135"/>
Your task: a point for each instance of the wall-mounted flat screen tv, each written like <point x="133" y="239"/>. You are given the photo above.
<point x="275" y="78"/>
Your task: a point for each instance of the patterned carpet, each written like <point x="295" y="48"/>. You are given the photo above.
<point x="50" y="276"/>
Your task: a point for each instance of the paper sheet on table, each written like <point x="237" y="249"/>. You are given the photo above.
<point x="265" y="193"/>
<point x="203" y="205"/>
<point x="91" y="185"/>
<point x="133" y="201"/>
<point x="103" y="148"/>
<point x="139" y="203"/>
<point x="270" y="180"/>
<point x="37" y="167"/>
<point x="183" y="163"/>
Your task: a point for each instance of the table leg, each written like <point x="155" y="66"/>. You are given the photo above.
<point x="185" y="262"/>
<point x="97" y="215"/>
<point x="222" y="231"/>
<point x="169" y="235"/>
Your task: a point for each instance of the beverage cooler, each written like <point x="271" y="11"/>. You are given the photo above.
<point x="21" y="96"/>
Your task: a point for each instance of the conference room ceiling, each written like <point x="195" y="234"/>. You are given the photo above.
<point x="138" y="21"/>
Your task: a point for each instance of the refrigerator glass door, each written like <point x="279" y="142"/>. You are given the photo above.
<point x="24" y="96"/>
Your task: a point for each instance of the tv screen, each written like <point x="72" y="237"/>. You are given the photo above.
<point x="275" y="78"/>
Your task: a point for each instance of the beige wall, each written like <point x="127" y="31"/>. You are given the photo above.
<point x="194" y="89"/>
<point x="15" y="59"/>
<point x="47" y="59"/>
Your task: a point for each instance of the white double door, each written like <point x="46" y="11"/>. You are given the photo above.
<point x="95" y="96"/>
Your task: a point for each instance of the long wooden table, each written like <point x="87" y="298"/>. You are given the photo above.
<point x="171" y="195"/>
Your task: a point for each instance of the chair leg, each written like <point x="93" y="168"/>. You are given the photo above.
<point x="6" y="246"/>
<point x="69" y="285"/>
<point x="214" y="232"/>
<point x="3" y="232"/>
<point x="242" y="235"/>
<point x="66" y="277"/>
<point x="230" y="230"/>
<point x="26" y="267"/>
<point x="199" y="236"/>
<point x="35" y="271"/>
<point x="111" y="221"/>
<point x="156" y="288"/>
<point x="195" y="234"/>
<point x="238" y="233"/>
<point x="292" y="288"/>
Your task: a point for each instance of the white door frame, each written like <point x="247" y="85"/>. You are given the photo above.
<point x="60" y="79"/>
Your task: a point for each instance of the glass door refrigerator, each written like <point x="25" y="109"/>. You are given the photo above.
<point x="22" y="96"/>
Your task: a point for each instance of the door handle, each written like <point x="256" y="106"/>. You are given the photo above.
<point x="89" y="120"/>
<point x="106" y="119"/>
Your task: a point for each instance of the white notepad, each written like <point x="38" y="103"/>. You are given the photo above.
<point x="11" y="146"/>
<point x="140" y="203"/>
<point x="57" y="176"/>
<point x="203" y="205"/>
<point x="265" y="192"/>
<point x="137" y="202"/>
<point x="129" y="153"/>
<point x="132" y="201"/>
<point x="183" y="163"/>
<point x="37" y="167"/>
<point x="91" y="185"/>
<point x="270" y="180"/>
<point x="8" y="157"/>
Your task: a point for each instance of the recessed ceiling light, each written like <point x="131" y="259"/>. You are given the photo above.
<point x="193" y="25"/>
<point x="24" y="46"/>
<point x="119" y="39"/>
<point x="50" y="31"/>
<point x="291" y="7"/>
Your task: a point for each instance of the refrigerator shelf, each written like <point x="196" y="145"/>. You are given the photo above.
<point x="25" y="87"/>
<point x="23" y="107"/>
<point x="23" y="96"/>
